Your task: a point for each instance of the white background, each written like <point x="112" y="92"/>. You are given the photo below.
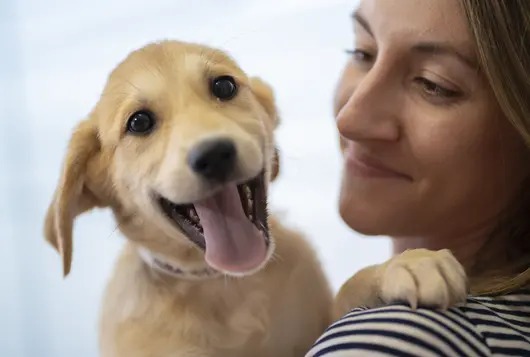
<point x="55" y="56"/>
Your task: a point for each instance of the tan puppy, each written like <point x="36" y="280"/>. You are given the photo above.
<point x="180" y="148"/>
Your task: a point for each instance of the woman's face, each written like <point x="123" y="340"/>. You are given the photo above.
<point x="426" y="150"/>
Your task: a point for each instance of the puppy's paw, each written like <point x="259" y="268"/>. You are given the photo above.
<point x="423" y="277"/>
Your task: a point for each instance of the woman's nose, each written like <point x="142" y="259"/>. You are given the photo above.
<point x="372" y="110"/>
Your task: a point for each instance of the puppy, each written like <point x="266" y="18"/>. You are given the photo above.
<point x="180" y="147"/>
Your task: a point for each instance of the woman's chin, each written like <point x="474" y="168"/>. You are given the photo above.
<point x="370" y="219"/>
<point x="362" y="227"/>
<point x="376" y="209"/>
<point x="358" y="219"/>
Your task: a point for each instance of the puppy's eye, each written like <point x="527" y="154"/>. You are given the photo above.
<point x="140" y="123"/>
<point x="224" y="87"/>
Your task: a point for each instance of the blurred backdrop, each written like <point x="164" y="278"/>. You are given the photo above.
<point x="55" y="56"/>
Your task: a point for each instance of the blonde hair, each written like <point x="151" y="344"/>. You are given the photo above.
<point x="501" y="30"/>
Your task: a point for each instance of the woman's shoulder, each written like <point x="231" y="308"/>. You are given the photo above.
<point x="485" y="326"/>
<point x="397" y="330"/>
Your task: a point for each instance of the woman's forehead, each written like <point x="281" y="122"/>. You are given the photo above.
<point x="416" y="20"/>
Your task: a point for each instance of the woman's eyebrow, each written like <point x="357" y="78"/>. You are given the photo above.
<point x="357" y="17"/>
<point x="444" y="49"/>
<point x="427" y="47"/>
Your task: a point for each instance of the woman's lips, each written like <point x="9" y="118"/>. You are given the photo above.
<point x="365" y="166"/>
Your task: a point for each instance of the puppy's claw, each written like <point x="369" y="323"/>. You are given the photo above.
<point x="422" y="277"/>
<point x="398" y="285"/>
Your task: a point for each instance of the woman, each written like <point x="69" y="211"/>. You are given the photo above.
<point x="433" y="110"/>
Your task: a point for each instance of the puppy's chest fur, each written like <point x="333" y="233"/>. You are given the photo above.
<point x="145" y="315"/>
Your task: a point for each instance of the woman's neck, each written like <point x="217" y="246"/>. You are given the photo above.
<point x="466" y="257"/>
<point x="465" y="247"/>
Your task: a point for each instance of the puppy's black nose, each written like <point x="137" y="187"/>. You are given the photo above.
<point x="213" y="159"/>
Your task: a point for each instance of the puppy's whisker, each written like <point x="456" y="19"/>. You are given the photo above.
<point x="226" y="281"/>
<point x="114" y="230"/>
<point x="210" y="59"/>
<point x="276" y="258"/>
<point x="115" y="94"/>
<point x="238" y="36"/>
<point x="220" y="52"/>
<point x="132" y="85"/>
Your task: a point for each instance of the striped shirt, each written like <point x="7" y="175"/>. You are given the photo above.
<point x="483" y="326"/>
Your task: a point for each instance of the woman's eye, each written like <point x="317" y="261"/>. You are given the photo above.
<point x="359" y="55"/>
<point x="433" y="89"/>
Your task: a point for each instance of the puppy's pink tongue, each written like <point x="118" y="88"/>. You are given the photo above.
<point x="233" y="243"/>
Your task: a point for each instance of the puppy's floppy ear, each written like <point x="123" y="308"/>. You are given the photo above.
<point x="72" y="197"/>
<point x="265" y="96"/>
<point x="275" y="169"/>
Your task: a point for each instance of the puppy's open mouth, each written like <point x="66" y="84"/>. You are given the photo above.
<point x="231" y="226"/>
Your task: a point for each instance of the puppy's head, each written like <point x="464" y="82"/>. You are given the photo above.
<point x="180" y="146"/>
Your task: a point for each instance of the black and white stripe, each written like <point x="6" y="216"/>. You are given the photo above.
<point x="483" y="326"/>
